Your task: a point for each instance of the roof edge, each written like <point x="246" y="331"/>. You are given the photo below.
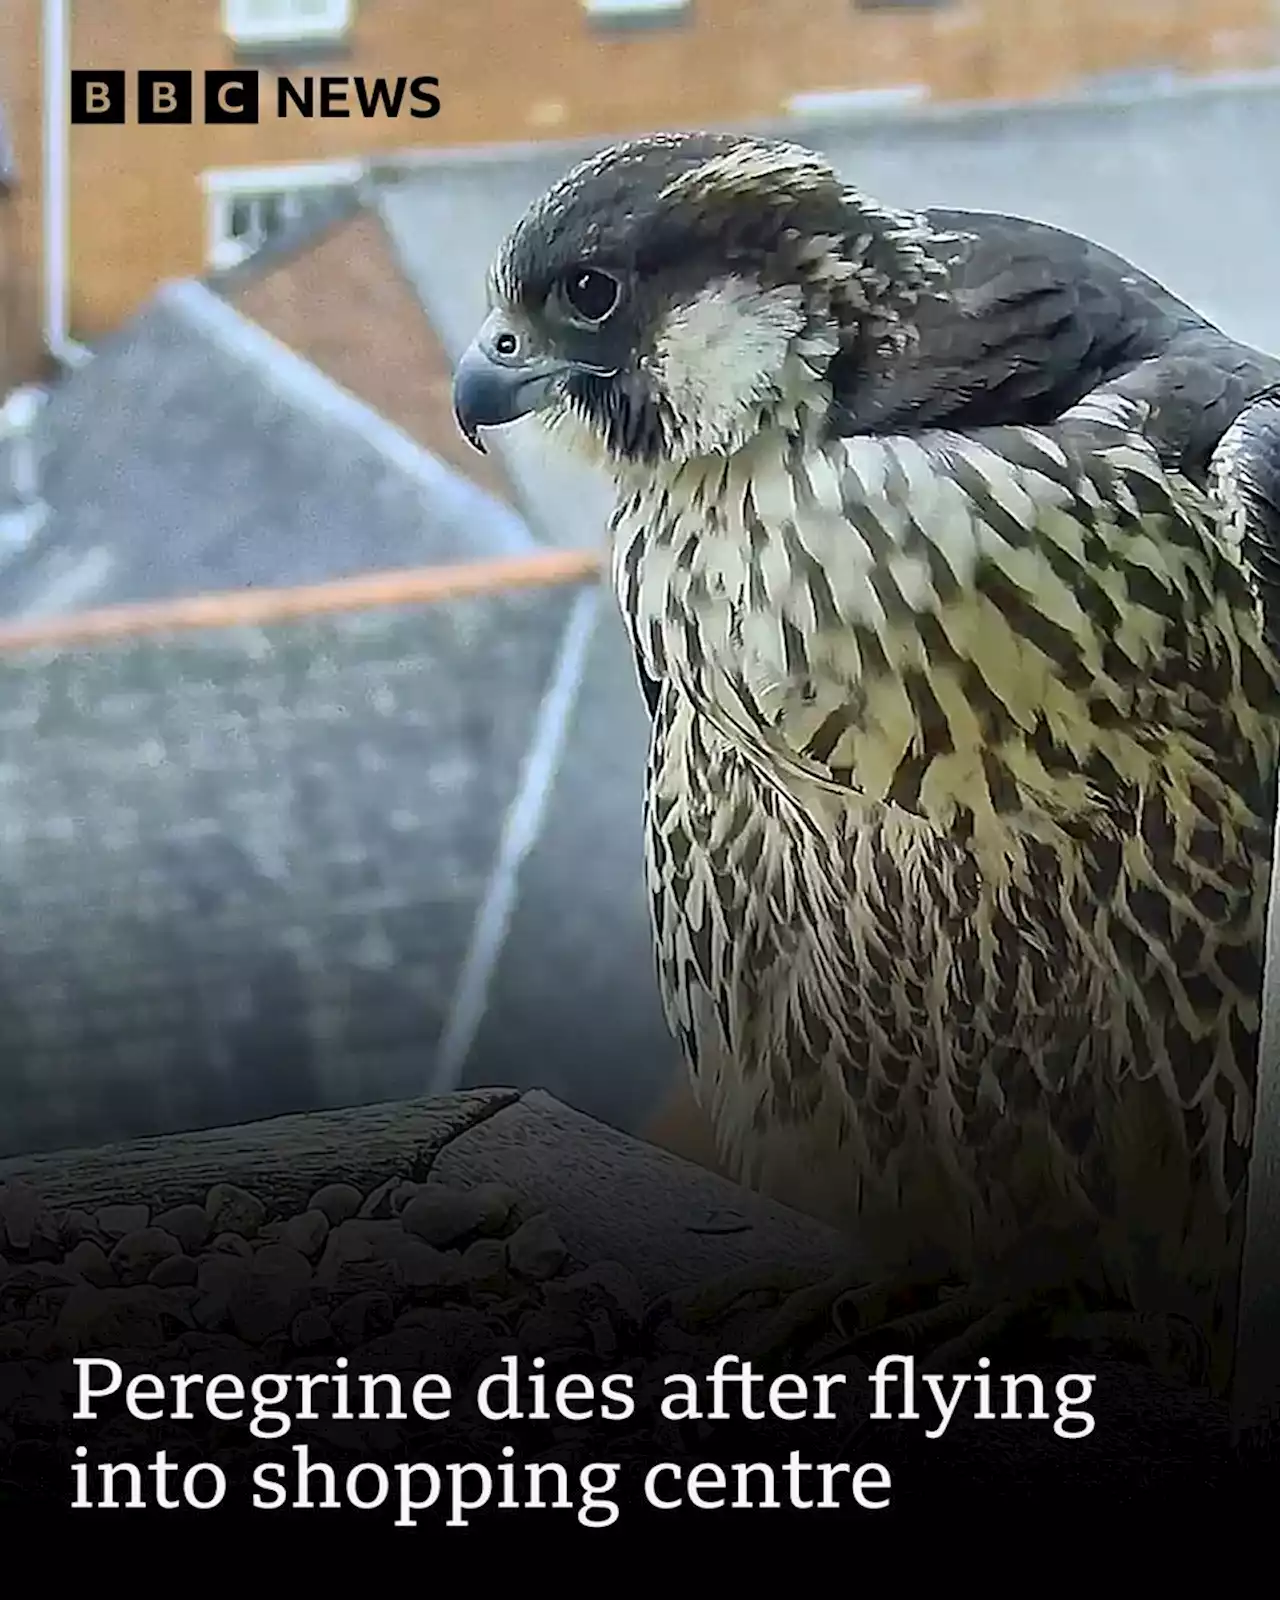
<point x="1224" y="86"/>
<point x="303" y="384"/>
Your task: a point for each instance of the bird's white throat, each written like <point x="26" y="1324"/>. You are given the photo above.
<point x="718" y="356"/>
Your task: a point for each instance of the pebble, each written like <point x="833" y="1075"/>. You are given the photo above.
<point x="76" y="1224"/>
<point x="440" y="1215"/>
<point x="212" y="1310"/>
<point x="22" y="1215"/>
<point x="32" y="1279"/>
<point x="420" y="1265"/>
<point x="188" y="1224"/>
<point x="377" y="1203"/>
<point x="401" y="1195"/>
<point x="499" y="1202"/>
<point x="456" y="1340"/>
<point x="97" y="1319"/>
<point x="338" y="1202"/>
<point x="116" y="1220"/>
<point x="306" y="1232"/>
<point x="535" y="1250"/>
<point x="231" y="1244"/>
<point x="483" y="1265"/>
<point x="283" y="1264"/>
<point x="310" y="1329"/>
<point x="232" y="1209"/>
<point x="134" y="1256"/>
<point x="366" y="1277"/>
<point x="355" y="1240"/>
<point x="541" y="1331"/>
<point x="89" y="1259"/>
<point x="362" y="1316"/>
<point x="609" y="1279"/>
<point x="217" y="1274"/>
<point x="174" y="1272"/>
<point x="259" y="1306"/>
<point x="202" y="1343"/>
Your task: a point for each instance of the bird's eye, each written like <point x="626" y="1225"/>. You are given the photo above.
<point x="591" y="294"/>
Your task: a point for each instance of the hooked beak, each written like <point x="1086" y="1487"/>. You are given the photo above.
<point x="500" y="378"/>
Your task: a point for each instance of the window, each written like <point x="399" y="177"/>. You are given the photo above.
<point x="626" y="9"/>
<point x="251" y="207"/>
<point x="284" y="21"/>
<point x="855" y="102"/>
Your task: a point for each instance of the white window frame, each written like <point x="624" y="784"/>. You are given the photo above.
<point x="244" y="25"/>
<point x="223" y="188"/>
<point x="634" y="8"/>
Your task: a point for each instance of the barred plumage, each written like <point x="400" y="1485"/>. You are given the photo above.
<point x="960" y="885"/>
<point x="958" y="818"/>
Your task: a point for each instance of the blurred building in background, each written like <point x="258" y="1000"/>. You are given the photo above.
<point x="143" y="204"/>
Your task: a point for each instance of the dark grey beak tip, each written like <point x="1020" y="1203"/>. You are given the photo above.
<point x="489" y="393"/>
<point x="470" y="432"/>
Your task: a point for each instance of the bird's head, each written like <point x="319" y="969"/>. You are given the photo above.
<point x="673" y="294"/>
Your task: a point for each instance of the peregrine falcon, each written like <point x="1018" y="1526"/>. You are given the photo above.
<point x="947" y="545"/>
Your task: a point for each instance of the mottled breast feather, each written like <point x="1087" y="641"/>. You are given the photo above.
<point x="959" y="824"/>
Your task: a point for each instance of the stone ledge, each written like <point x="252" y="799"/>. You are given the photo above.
<point x="669" y="1222"/>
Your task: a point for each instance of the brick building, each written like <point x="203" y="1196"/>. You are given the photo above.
<point x="143" y="204"/>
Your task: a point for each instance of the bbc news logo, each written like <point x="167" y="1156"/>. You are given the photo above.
<point x="103" y="97"/>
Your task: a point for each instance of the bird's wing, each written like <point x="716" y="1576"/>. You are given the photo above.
<point x="1245" y="472"/>
<point x="1195" y="390"/>
<point x="1030" y="321"/>
<point x="1035" y="318"/>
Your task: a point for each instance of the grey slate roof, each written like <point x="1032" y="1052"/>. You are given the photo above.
<point x="241" y="869"/>
<point x="246" y="872"/>
<point x="196" y="453"/>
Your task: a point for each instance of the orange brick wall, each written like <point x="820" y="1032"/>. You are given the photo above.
<point x="21" y="344"/>
<point x="388" y="356"/>
<point x="520" y="69"/>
